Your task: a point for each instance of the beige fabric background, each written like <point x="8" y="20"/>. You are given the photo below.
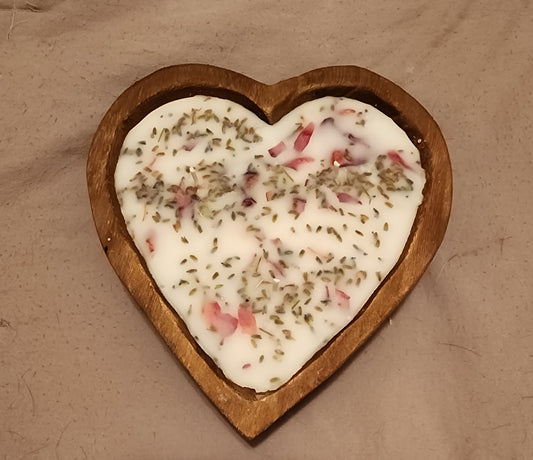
<point x="83" y="375"/>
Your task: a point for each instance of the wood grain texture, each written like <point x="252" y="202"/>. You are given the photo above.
<point x="249" y="412"/>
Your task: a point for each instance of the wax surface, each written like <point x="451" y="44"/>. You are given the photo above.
<point x="268" y="240"/>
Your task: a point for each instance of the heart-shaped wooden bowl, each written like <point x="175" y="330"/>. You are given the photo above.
<point x="249" y="412"/>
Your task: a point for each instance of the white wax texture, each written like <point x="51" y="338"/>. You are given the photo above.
<point x="298" y="234"/>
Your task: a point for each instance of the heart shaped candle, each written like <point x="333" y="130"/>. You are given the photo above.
<point x="253" y="223"/>
<point x="268" y="239"/>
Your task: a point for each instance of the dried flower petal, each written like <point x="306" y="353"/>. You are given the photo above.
<point x="304" y="137"/>
<point x="277" y="149"/>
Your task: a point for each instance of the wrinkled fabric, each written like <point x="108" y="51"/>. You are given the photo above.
<point x="83" y="373"/>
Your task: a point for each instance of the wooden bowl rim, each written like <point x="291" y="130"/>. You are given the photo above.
<point x="249" y="412"/>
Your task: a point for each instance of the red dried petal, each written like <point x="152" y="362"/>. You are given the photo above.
<point x="248" y="201"/>
<point x="341" y="158"/>
<point x="303" y="138"/>
<point x="342" y="299"/>
<point x="150" y="243"/>
<point x="297" y="162"/>
<point x="396" y="158"/>
<point x="277" y="149"/>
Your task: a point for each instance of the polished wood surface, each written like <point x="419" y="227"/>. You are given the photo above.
<point x="249" y="412"/>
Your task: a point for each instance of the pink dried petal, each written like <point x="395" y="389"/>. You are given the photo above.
<point x="396" y="158"/>
<point x="297" y="162"/>
<point x="347" y="111"/>
<point x="269" y="195"/>
<point x="250" y="179"/>
<point x="278" y="268"/>
<point x="347" y="198"/>
<point x="247" y="320"/>
<point x="223" y="323"/>
<point x="150" y="243"/>
<point x="182" y="198"/>
<point x="209" y="311"/>
<point x="298" y="205"/>
<point x="277" y="149"/>
<point x="342" y="299"/>
<point x="188" y="147"/>
<point x="303" y="138"/>
<point x="246" y="365"/>
<point x="226" y="324"/>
